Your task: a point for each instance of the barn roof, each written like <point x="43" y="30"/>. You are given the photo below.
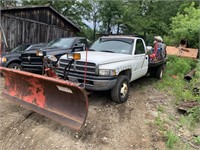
<point x="48" y="7"/>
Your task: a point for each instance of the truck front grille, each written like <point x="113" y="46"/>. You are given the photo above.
<point x="77" y="66"/>
<point x="31" y="59"/>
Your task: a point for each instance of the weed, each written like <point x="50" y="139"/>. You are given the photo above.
<point x="187" y="121"/>
<point x="182" y="90"/>
<point x="160" y="123"/>
<point x="195" y="113"/>
<point x="180" y="66"/>
<point x="160" y="108"/>
<point x="171" y="139"/>
<point x="172" y="118"/>
<point x="173" y="83"/>
<point x="197" y="140"/>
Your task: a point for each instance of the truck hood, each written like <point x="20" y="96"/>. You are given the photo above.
<point x="50" y="50"/>
<point x="102" y="58"/>
<point x="11" y="54"/>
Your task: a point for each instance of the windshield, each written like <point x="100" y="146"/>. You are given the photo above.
<point x="63" y="42"/>
<point x="20" y="48"/>
<point x="123" y="46"/>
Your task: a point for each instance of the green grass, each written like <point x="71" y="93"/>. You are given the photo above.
<point x="172" y="139"/>
<point x="197" y="140"/>
<point x="160" y="123"/>
<point x="195" y="114"/>
<point x="160" y="108"/>
<point x="187" y="121"/>
<point x="174" y="84"/>
<point x="173" y="80"/>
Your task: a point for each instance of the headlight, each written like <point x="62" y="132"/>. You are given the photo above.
<point x="3" y="59"/>
<point x="40" y="53"/>
<point x="51" y="58"/>
<point x="58" y="63"/>
<point x="107" y="72"/>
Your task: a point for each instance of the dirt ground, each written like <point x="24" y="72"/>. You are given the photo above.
<point x="109" y="126"/>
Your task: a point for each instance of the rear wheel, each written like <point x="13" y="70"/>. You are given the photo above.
<point x="152" y="72"/>
<point x="15" y="66"/>
<point x="120" y="91"/>
<point x="159" y="72"/>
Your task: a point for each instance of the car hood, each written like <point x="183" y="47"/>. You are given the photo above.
<point x="49" y="50"/>
<point x="11" y="54"/>
<point x="102" y="58"/>
<point x="5" y="53"/>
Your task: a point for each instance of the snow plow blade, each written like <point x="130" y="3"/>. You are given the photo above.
<point x="57" y="99"/>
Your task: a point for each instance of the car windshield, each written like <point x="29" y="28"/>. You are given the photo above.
<point x="20" y="48"/>
<point x="35" y="46"/>
<point x="123" y="46"/>
<point x="63" y="42"/>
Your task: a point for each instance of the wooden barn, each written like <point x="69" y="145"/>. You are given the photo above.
<point x="35" y="24"/>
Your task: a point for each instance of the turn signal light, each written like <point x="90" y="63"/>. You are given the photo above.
<point x="76" y="56"/>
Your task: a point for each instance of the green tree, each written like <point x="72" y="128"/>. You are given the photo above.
<point x="7" y="4"/>
<point x="109" y="12"/>
<point x="91" y="13"/>
<point x="185" y="25"/>
<point x="156" y="17"/>
<point x="131" y="17"/>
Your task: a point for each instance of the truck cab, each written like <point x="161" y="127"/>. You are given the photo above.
<point x="112" y="63"/>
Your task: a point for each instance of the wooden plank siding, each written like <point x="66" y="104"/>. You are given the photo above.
<point x="19" y="31"/>
<point x="43" y="14"/>
<point x="38" y="25"/>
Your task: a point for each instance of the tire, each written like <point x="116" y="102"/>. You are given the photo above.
<point x="15" y="66"/>
<point x="159" y="72"/>
<point x="120" y="91"/>
<point x="152" y="72"/>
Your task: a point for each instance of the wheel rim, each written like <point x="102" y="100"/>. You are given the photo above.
<point x="124" y="90"/>
<point x="16" y="67"/>
<point x="161" y="74"/>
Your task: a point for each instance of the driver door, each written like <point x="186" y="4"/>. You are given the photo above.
<point x="140" y="60"/>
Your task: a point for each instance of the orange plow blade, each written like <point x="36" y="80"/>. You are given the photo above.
<point x="57" y="99"/>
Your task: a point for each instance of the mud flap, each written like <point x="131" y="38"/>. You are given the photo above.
<point x="57" y="99"/>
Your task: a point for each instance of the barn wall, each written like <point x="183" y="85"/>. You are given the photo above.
<point x="20" y="31"/>
<point x="45" y="15"/>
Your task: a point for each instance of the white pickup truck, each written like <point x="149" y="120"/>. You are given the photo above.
<point x="112" y="63"/>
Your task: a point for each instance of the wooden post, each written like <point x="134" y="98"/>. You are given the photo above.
<point x="199" y="43"/>
<point x="0" y="47"/>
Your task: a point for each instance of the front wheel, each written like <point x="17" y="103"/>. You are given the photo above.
<point x="120" y="91"/>
<point x="15" y="66"/>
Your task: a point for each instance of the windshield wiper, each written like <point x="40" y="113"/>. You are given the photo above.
<point x="107" y="51"/>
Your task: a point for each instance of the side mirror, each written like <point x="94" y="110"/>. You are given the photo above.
<point x="78" y="47"/>
<point x="149" y="50"/>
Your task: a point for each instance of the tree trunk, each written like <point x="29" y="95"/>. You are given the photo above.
<point x="94" y="29"/>
<point x="118" y="25"/>
<point x="108" y="27"/>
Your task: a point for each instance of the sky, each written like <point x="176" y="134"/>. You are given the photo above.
<point x="88" y="23"/>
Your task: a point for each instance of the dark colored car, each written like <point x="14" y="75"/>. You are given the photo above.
<point x="57" y="47"/>
<point x="12" y="59"/>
